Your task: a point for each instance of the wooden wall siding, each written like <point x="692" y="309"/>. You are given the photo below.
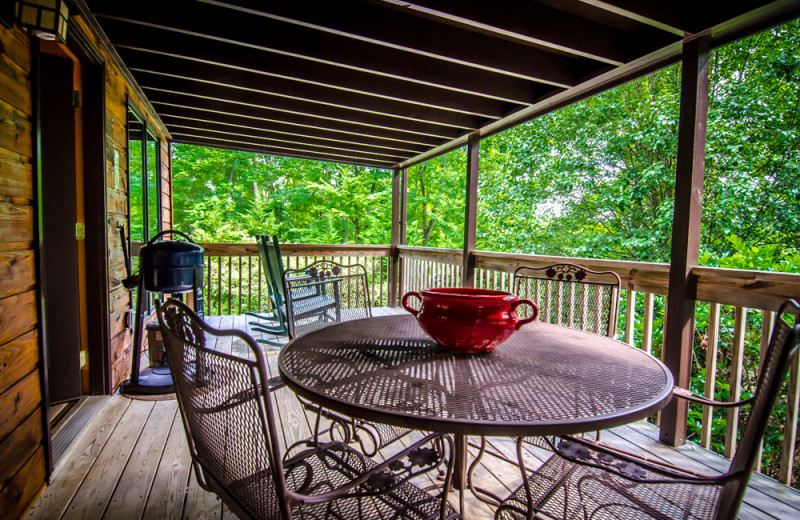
<point x="22" y="460"/>
<point x="22" y="463"/>
<point x="117" y="93"/>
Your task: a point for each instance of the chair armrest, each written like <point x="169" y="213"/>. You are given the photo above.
<point x="314" y="283"/>
<point x="382" y="478"/>
<point x="275" y="383"/>
<point x="627" y="465"/>
<point x="684" y="393"/>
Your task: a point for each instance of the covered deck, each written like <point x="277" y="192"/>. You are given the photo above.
<point x="132" y="460"/>
<point x="320" y="84"/>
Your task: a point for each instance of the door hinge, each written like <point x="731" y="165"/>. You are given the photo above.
<point x="80" y="231"/>
<point x="84" y="358"/>
<point x="76" y="98"/>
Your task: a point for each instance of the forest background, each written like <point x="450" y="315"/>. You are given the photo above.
<point x="595" y="179"/>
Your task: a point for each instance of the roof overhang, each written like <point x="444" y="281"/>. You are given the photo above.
<point x="391" y="83"/>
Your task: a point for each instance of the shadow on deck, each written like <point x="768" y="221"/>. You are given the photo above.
<point x="131" y="462"/>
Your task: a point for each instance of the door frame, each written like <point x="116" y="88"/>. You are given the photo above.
<point x="93" y="105"/>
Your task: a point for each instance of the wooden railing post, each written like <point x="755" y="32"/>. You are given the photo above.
<point x="685" y="233"/>
<point x="399" y="198"/>
<point x="471" y="211"/>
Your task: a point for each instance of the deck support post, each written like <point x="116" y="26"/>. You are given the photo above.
<point x="399" y="213"/>
<point x="682" y="290"/>
<point x="470" y="211"/>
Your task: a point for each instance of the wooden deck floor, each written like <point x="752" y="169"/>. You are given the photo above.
<point x="131" y="462"/>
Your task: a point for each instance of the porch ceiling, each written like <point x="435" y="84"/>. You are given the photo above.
<point x="388" y="83"/>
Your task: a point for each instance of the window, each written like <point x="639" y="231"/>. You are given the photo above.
<point x="144" y="178"/>
<point x="144" y="183"/>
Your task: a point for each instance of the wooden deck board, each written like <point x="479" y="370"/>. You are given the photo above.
<point x="130" y="496"/>
<point x="92" y="498"/>
<point x="168" y="493"/>
<point x="132" y="461"/>
<point x="77" y="464"/>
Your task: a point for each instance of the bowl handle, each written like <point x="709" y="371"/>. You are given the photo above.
<point x="404" y="302"/>
<point x="533" y="317"/>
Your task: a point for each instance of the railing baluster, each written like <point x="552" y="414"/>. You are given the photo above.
<point x="380" y="262"/>
<point x="230" y="285"/>
<point x="790" y="424"/>
<point x="767" y="322"/>
<point x="712" y="348"/>
<point x="249" y="283"/>
<point x="219" y="286"/>
<point x="260" y="304"/>
<point x="647" y="325"/>
<point x="209" y="310"/>
<point x="737" y="361"/>
<point x="372" y="285"/>
<point x="240" y="285"/>
<point x="630" y="314"/>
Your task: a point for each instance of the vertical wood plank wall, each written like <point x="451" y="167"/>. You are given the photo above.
<point x="22" y="448"/>
<point x="117" y="93"/>
<point x="22" y="460"/>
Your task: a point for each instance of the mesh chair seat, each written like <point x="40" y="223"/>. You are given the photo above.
<point x="337" y="465"/>
<point x="565" y="490"/>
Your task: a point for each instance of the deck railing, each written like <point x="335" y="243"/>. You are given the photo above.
<point x="235" y="281"/>
<point x="733" y="317"/>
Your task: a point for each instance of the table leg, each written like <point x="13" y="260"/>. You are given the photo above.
<point x="460" y="467"/>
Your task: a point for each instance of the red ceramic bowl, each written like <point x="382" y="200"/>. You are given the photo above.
<point x="472" y="320"/>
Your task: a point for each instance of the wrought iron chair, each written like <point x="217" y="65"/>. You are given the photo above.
<point x="348" y="285"/>
<point x="590" y="480"/>
<point x="226" y="408"/>
<point x="570" y="295"/>
<point x="340" y="294"/>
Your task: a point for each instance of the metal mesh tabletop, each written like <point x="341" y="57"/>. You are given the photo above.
<point x="545" y="379"/>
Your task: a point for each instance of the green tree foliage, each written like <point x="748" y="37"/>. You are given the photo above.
<point x="596" y="179"/>
<point x="436" y="194"/>
<point x="229" y="196"/>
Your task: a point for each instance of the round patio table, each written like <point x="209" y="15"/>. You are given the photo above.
<point x="544" y="380"/>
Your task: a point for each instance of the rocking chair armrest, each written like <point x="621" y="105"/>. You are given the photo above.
<point x="383" y="478"/>
<point x="687" y="394"/>
<point x="627" y="465"/>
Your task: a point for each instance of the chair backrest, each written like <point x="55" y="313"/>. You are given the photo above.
<point x="272" y="263"/>
<point x="783" y="345"/>
<point x="226" y="410"/>
<point x="343" y="286"/>
<point x="572" y="295"/>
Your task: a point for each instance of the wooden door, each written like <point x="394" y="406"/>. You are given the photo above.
<point x="58" y="215"/>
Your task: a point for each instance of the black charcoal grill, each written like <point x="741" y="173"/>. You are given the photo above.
<point x="166" y="267"/>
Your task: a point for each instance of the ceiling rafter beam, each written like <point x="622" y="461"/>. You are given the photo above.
<point x="276" y="87"/>
<point x="196" y="88"/>
<point x="164" y="98"/>
<point x="191" y="115"/>
<point x="175" y="115"/>
<point x="244" y="147"/>
<point x="145" y="40"/>
<point x="213" y="135"/>
<point x="377" y="25"/>
<point x="524" y="22"/>
<point x="212" y="130"/>
<point x="280" y="38"/>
